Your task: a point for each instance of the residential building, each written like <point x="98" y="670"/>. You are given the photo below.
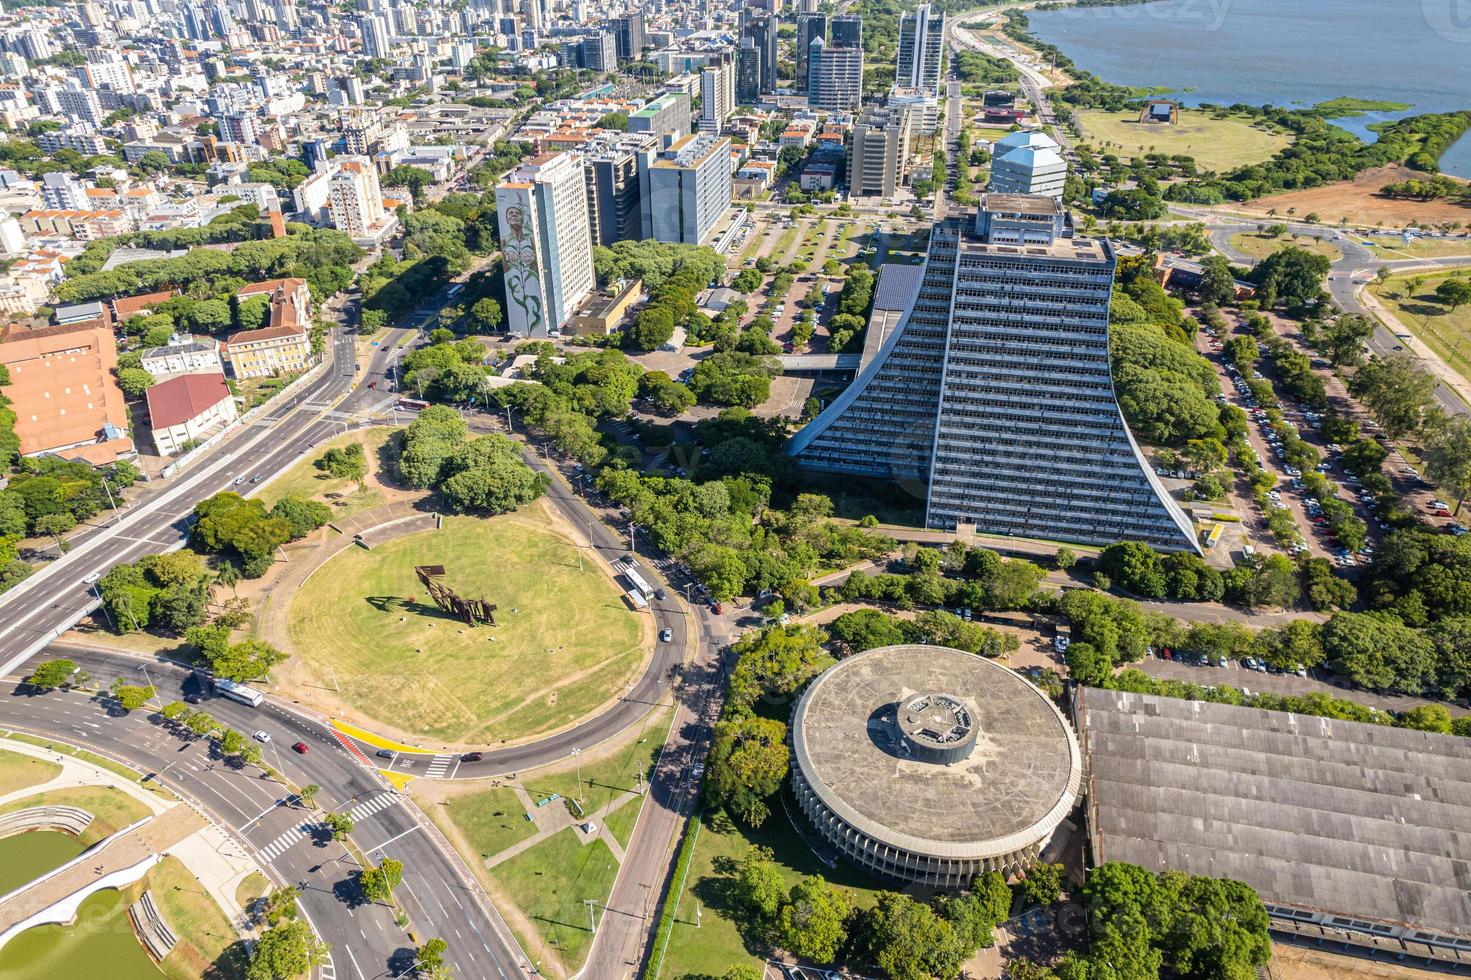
<point x="878" y="160"/>
<point x="689" y="189"/>
<point x="63" y="192"/>
<point x="834" y="76"/>
<point x="545" y="243"/>
<point x="374" y="30"/>
<point x="628" y="33"/>
<point x="239" y="127"/>
<point x="994" y="398"/>
<point x="64" y="391"/>
<point x="188" y="409"/>
<point x="183" y="355"/>
<point x="667" y="117"/>
<point x="717" y="95"/>
<point x="809" y="27"/>
<point x="355" y="201"/>
<point x="921" y="45"/>
<point x="81" y="104"/>
<point x="1027" y="162"/>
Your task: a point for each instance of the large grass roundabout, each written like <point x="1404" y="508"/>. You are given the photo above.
<point x="565" y="642"/>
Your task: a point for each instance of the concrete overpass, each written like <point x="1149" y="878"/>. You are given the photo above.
<point x="814" y="363"/>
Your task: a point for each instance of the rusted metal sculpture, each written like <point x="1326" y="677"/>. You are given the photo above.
<point x="472" y="611"/>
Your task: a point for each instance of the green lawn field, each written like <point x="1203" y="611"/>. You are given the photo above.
<point x="343" y="496"/>
<point x="111" y="809"/>
<point x="20" y="771"/>
<point x="549" y="884"/>
<point x="1260" y="246"/>
<point x="1445" y="332"/>
<point x="1421" y="248"/>
<point x="564" y="643"/>
<point x="208" y="945"/>
<point x="1216" y="144"/>
<point x="718" y="943"/>
<point x="491" y="820"/>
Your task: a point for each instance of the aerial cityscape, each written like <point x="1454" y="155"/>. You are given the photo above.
<point x="747" y="490"/>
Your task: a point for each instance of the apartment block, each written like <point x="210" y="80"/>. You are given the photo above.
<point x="921" y="44"/>
<point x="689" y="189"/>
<point x="878" y="160"/>
<point x="545" y="242"/>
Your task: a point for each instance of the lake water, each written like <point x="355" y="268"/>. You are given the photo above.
<point x="25" y="857"/>
<point x="1282" y="52"/>
<point x="99" y="944"/>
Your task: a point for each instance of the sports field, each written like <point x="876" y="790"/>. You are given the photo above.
<point x="1216" y="144"/>
<point x="564" y="642"/>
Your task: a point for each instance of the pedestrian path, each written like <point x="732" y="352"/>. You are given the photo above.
<point x="438" y="766"/>
<point x="371" y="806"/>
<point x="283" y="843"/>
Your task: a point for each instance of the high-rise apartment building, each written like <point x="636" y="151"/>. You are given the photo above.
<point x="921" y="45"/>
<point x="545" y="243"/>
<point x="239" y="127"/>
<point x="63" y="192"/>
<point x="834" y="76"/>
<point x="354" y="199"/>
<point x="809" y="26"/>
<point x="993" y="397"/>
<point x="1027" y="162"/>
<point x="79" y="103"/>
<point x="878" y="159"/>
<point x="598" y="52"/>
<point x="689" y="189"/>
<point x="375" y="35"/>
<point x="717" y="94"/>
<point x="628" y="30"/>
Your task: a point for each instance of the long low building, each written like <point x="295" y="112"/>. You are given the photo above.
<point x="1356" y="836"/>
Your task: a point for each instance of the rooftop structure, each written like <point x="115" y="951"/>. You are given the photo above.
<point x="932" y="765"/>
<point x="1350" y="832"/>
<point x="1027" y="162"/>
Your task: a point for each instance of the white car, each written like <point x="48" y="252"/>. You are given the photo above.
<point x="262" y="737"/>
<point x="92" y="579"/>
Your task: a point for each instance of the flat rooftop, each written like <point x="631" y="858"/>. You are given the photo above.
<point x="1343" y="817"/>
<point x="1018" y="783"/>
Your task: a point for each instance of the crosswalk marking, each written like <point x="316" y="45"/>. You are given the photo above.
<point x="371" y="806"/>
<point x="438" y="766"/>
<point x="327" y="971"/>
<point x="283" y="843"/>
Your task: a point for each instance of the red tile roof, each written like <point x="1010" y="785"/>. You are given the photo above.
<point x="180" y="399"/>
<point x="128" y="306"/>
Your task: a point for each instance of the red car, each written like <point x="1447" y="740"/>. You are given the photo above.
<point x="299" y="748"/>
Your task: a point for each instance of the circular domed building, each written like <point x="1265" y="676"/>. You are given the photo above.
<point x="932" y="765"/>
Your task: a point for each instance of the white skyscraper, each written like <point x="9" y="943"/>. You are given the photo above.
<point x="546" y="243"/>
<point x="921" y="41"/>
<point x="375" y="35"/>
<point x="717" y="96"/>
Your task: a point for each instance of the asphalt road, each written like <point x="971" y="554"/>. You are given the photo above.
<point x="366" y="942"/>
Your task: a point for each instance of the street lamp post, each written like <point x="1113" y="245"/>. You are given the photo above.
<point x="577" y="754"/>
<point x="149" y="681"/>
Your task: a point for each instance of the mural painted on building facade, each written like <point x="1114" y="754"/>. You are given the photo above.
<point x="523" y="274"/>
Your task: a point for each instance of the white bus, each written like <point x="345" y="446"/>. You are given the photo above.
<point x="238" y="692"/>
<point x="637" y="581"/>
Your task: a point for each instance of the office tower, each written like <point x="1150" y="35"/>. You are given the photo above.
<point x="717" y="94"/>
<point x="921" y="43"/>
<point x="994" y="396"/>
<point x="834" y="76"/>
<point x="809" y="26"/>
<point x="878" y="160"/>
<point x="545" y="243"/>
<point x="628" y="29"/>
<point x="667" y="117"/>
<point x="689" y="189"/>
<point x="761" y="29"/>
<point x="1026" y="162"/>
<point x="615" y="168"/>
<point x="748" y="72"/>
<point x="354" y="199"/>
<point x="375" y="35"/>
<point x="598" y="52"/>
<point x="846" y="30"/>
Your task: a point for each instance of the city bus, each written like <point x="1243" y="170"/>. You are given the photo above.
<point x="238" y="692"/>
<point x="412" y="403"/>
